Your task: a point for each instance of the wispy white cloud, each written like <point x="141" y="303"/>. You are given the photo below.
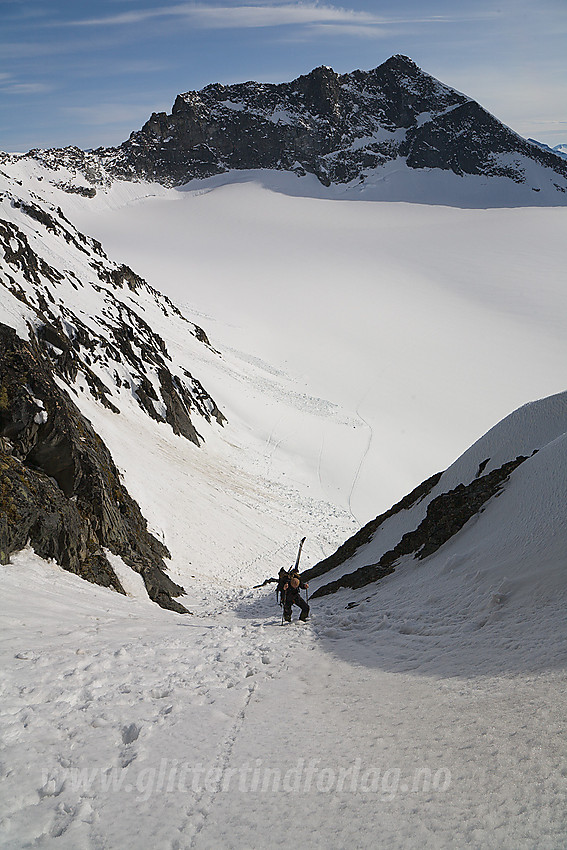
<point x="235" y="16"/>
<point x="36" y="49"/>
<point x="9" y="85"/>
<point x="93" y="68"/>
<point x="336" y="30"/>
<point x="261" y="15"/>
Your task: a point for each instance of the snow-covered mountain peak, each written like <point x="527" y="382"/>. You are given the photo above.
<point x="391" y="133"/>
<point x="345" y="129"/>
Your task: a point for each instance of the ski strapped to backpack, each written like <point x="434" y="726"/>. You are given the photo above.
<point x="284" y="574"/>
<point x="296" y="568"/>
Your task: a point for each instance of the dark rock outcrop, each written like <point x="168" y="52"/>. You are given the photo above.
<point x="446" y="515"/>
<point x="35" y="511"/>
<point x="59" y="488"/>
<point x="365" y="534"/>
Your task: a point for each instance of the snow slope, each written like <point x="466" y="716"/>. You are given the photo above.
<point x="424" y="324"/>
<point x="403" y="717"/>
<point x="232" y="484"/>
<point x="402" y="331"/>
<point x="535" y="431"/>
<point x="430" y="713"/>
<point x="361" y="346"/>
<point x="504" y="572"/>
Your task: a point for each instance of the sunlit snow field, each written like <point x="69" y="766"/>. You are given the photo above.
<point x="363" y="347"/>
<point x="424" y="324"/>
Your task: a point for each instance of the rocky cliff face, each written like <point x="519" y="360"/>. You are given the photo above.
<point x="74" y="324"/>
<point x="338" y="127"/>
<point x="59" y="488"/>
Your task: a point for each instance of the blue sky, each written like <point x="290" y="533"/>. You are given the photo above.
<point x="73" y="72"/>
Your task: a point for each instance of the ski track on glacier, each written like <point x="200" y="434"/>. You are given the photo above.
<point x="363" y="457"/>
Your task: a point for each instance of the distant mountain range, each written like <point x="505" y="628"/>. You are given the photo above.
<point x="342" y="128"/>
<point x="559" y="150"/>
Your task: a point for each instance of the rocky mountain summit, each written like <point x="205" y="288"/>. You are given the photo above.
<point x="338" y="127"/>
<point x="382" y="128"/>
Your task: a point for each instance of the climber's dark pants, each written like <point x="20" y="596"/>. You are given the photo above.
<point x="290" y="600"/>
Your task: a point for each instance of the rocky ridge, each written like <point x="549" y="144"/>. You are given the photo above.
<point x="74" y="323"/>
<point x="434" y="514"/>
<point x="446" y="514"/>
<point x="342" y="128"/>
<point x="91" y="316"/>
